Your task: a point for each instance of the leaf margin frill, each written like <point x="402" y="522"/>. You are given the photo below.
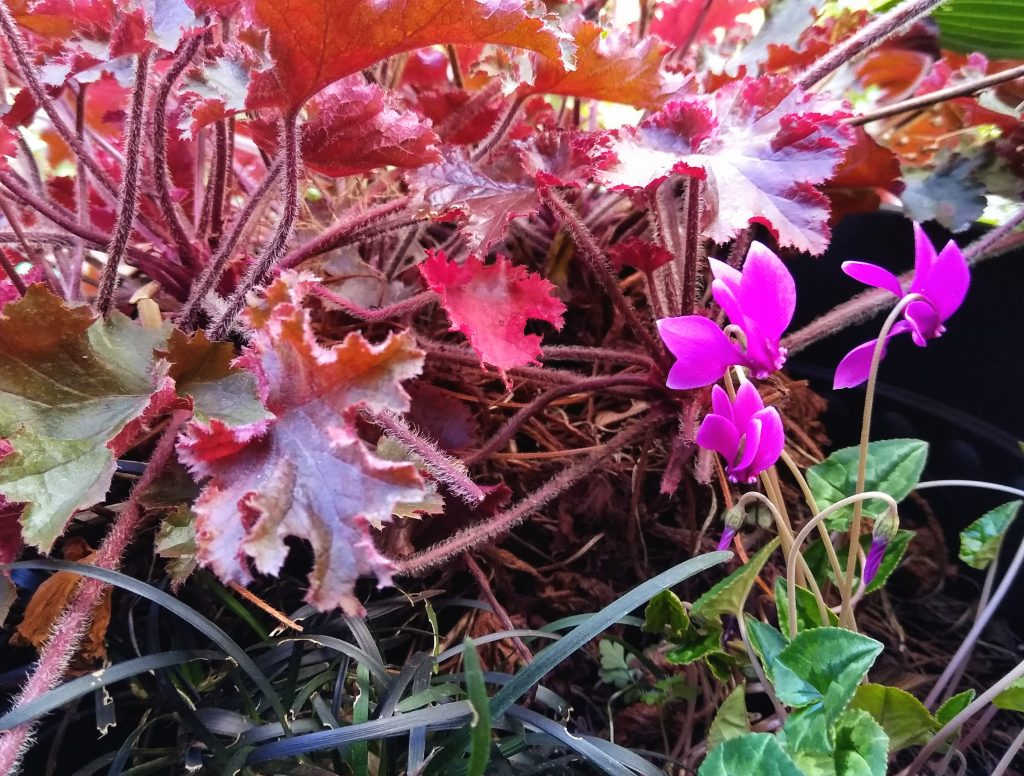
<point x="240" y="528"/>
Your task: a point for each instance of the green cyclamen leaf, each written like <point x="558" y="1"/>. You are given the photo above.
<point x="666" y="616"/>
<point x="894" y="467"/>
<point x="731" y="719"/>
<point x="68" y="389"/>
<point x="823" y="666"/>
<point x="807" y="614"/>
<point x="1012" y="698"/>
<point x="953" y="706"/>
<point x="753" y="753"/>
<point x="980" y="541"/>
<point x="729" y="595"/>
<point x="902" y="716"/>
<point x="862" y="747"/>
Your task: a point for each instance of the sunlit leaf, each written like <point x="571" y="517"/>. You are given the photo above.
<point x="751" y="753"/>
<point x="903" y="717"/>
<point x="981" y="540"/>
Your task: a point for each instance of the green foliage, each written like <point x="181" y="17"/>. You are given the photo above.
<point x="862" y="747"/>
<point x="894" y="466"/>
<point x="731" y="719"/>
<point x="807" y="614"/>
<point x="953" y="706"/>
<point x="614" y="668"/>
<point x="903" y="717"/>
<point x="666" y="615"/>
<point x="480" y="738"/>
<point x="980" y="541"/>
<point x="729" y="595"/>
<point x="894" y="552"/>
<point x="1012" y="698"/>
<point x="752" y="753"/>
<point x="992" y="27"/>
<point x="823" y="666"/>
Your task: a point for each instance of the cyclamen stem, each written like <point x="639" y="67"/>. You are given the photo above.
<point x="958" y="721"/>
<point x="801" y="537"/>
<point x="211" y="275"/>
<point x="443" y="467"/>
<point x="488" y="530"/>
<point x="869" y="36"/>
<point x="128" y="201"/>
<point x="963" y="652"/>
<point x="274" y="250"/>
<point x="846" y="584"/>
<point x="970" y="484"/>
<point x="161" y="173"/>
<point x="940" y="95"/>
<point x="71" y="626"/>
<point x="601" y="268"/>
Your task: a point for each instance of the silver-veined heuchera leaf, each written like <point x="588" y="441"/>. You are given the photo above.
<point x="73" y="391"/>
<point x="305" y="473"/>
<point x="760" y="144"/>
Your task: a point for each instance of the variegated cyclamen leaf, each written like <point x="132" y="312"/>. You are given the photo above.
<point x="72" y="391"/>
<point x="305" y="473"/>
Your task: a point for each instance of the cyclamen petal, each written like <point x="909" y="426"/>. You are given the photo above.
<point x="739" y="468"/>
<point x="873" y="275"/>
<point x="719" y="434"/>
<point x="856" y="365"/>
<point x="702" y="350"/>
<point x="767" y="292"/>
<point x="874" y="559"/>
<point x="946" y="283"/>
<point x="773" y="441"/>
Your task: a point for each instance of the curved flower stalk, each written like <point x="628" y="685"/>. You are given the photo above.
<point x="759" y="302"/>
<point x="941" y="279"/>
<point x="744" y="432"/>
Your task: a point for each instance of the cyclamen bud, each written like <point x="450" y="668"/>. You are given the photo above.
<point x="885" y="530"/>
<point x="733" y="519"/>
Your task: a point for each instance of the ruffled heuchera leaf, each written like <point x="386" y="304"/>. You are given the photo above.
<point x="316" y="42"/>
<point x="491" y="304"/>
<point x="609" y="66"/>
<point x="202" y="371"/>
<point x="487" y="195"/>
<point x="70" y="386"/>
<point x="353" y="127"/>
<point x="305" y="473"/>
<point x="760" y="144"/>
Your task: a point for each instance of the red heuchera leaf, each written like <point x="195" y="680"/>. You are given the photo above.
<point x="491" y="304"/>
<point x="641" y="254"/>
<point x="760" y="144"/>
<point x="684" y="21"/>
<point x="489" y="194"/>
<point x="609" y="66"/>
<point x="868" y="170"/>
<point x="306" y="473"/>
<point x="8" y="145"/>
<point x="354" y="127"/>
<point x="317" y="42"/>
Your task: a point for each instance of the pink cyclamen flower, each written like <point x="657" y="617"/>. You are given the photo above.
<point x="744" y="432"/>
<point x="941" y="279"/>
<point x="759" y="301"/>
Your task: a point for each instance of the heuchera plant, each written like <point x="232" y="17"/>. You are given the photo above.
<point x="324" y="265"/>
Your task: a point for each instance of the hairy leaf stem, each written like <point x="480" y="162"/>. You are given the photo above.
<point x="846" y="583"/>
<point x="377" y="314"/>
<point x="128" y="200"/>
<point x="445" y="469"/>
<point x="71" y="626"/>
<point x="341" y="232"/>
<point x="870" y="35"/>
<point x="601" y="268"/>
<point x="161" y="172"/>
<point x="500" y="129"/>
<point x="260" y="270"/>
<point x="211" y="274"/>
<point x="488" y="530"/>
<point x="72" y="284"/>
<point x="220" y="177"/>
<point x="795" y="554"/>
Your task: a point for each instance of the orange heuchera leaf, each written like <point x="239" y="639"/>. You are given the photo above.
<point x="761" y="145"/>
<point x="305" y="473"/>
<point x="609" y="66"/>
<point x="868" y="171"/>
<point x="491" y="304"/>
<point x="354" y="127"/>
<point x="316" y="42"/>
